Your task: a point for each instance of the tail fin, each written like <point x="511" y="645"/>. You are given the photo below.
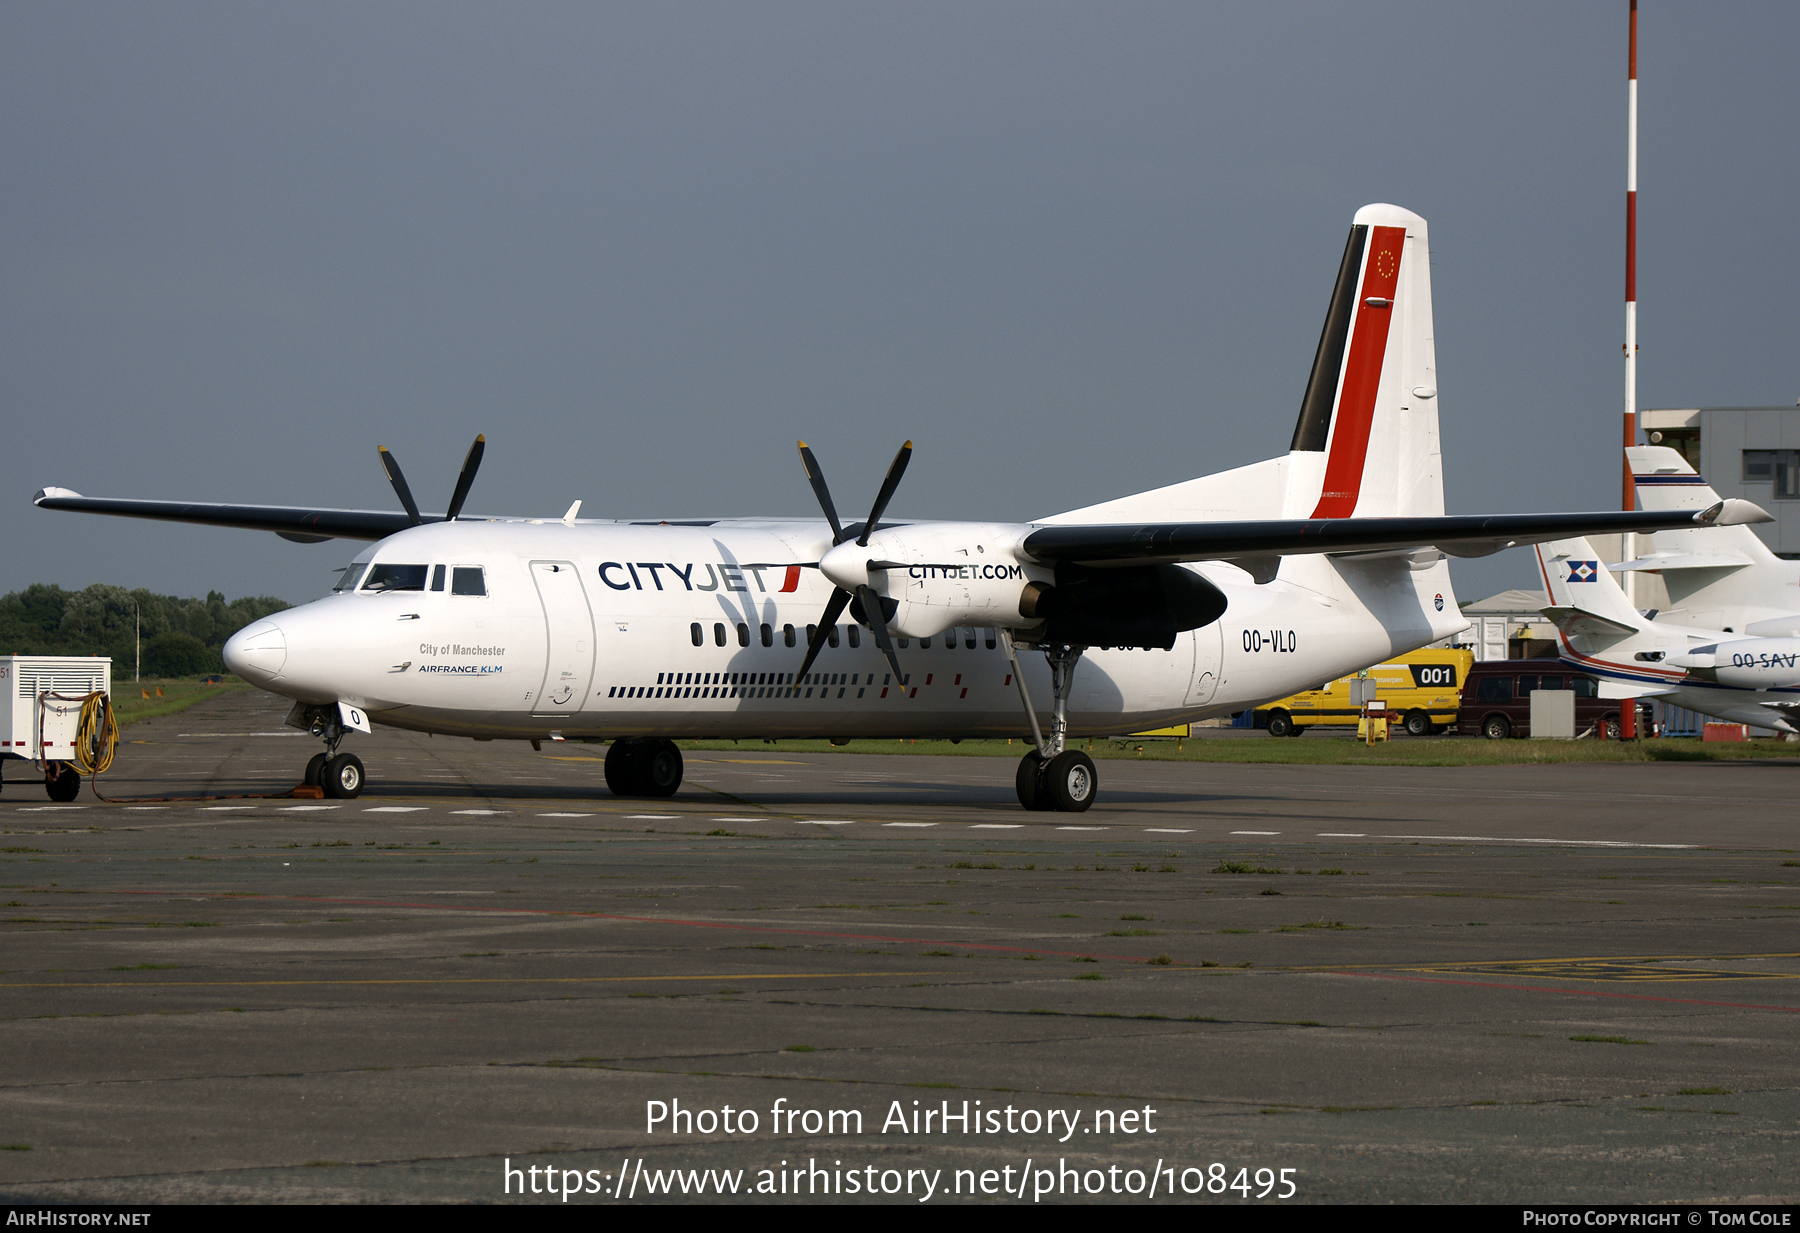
<point x="1584" y="599"/>
<point x="1717" y="577"/>
<point x="1367" y="439"/>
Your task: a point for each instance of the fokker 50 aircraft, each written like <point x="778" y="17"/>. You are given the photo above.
<point x="1752" y="680"/>
<point x="1197" y="599"/>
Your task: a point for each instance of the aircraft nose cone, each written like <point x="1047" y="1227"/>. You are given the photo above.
<point x="257" y="652"/>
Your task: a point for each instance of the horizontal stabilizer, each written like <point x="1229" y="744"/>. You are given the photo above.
<point x="1620" y="690"/>
<point x="1573" y="621"/>
<point x="1684" y="560"/>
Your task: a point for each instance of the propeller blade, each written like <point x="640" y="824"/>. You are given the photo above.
<point x="399" y="482"/>
<point x="834" y="608"/>
<point x="816" y="478"/>
<point x="877" y="622"/>
<point x="895" y="470"/>
<point x="463" y="481"/>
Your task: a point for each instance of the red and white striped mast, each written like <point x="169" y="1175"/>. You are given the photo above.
<point x="1628" y="490"/>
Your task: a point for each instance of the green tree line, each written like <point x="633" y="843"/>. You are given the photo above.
<point x="181" y="637"/>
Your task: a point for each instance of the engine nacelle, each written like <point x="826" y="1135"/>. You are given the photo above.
<point x="1747" y="663"/>
<point x="1138" y="606"/>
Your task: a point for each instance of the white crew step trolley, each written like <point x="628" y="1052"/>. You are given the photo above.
<point x="42" y="722"/>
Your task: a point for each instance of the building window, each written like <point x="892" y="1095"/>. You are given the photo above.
<point x="1778" y="467"/>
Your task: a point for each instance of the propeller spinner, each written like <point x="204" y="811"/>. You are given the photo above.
<point x="868" y="603"/>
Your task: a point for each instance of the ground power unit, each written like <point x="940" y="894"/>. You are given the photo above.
<point x="46" y="695"/>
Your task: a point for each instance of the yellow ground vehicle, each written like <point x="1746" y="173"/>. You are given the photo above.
<point x="1424" y="687"/>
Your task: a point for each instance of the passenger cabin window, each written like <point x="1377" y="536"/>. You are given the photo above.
<point x="768" y="635"/>
<point x="855" y="633"/>
<point x="787" y="634"/>
<point x="467" y="580"/>
<point x="743" y="634"/>
<point x="395" y="578"/>
<point x="718" y="633"/>
<point x="694" y="633"/>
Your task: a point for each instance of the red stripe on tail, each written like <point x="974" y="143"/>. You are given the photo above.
<point x="1362" y="376"/>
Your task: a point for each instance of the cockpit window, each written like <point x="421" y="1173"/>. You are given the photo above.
<point x="385" y="577"/>
<point x="351" y="576"/>
<point x="467" y="580"/>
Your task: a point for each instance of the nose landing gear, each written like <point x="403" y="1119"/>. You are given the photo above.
<point x="340" y="775"/>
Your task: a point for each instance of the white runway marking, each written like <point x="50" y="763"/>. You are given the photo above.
<point x="1256" y="832"/>
<point x="223" y="808"/>
<point x="1571" y="843"/>
<point x="1081" y="828"/>
<point x="1341" y="835"/>
<point x="307" y="808"/>
<point x="809" y="822"/>
<point x="1166" y="830"/>
<point x="565" y="815"/>
<point x="396" y="809"/>
<point x="630" y="817"/>
<point x="996" y="826"/>
<point x="734" y="819"/>
<point x="909" y="823"/>
<point x="486" y="813"/>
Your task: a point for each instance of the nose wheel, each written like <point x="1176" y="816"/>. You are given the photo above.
<point x="341" y="776"/>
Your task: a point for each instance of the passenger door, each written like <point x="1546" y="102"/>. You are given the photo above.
<point x="569" y="638"/>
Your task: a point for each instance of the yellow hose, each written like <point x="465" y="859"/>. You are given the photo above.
<point x="96" y="735"/>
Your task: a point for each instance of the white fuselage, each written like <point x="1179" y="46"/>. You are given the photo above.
<point x="602" y="630"/>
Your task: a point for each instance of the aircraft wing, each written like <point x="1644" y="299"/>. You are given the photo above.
<point x="1474" y="535"/>
<point x="302" y="524"/>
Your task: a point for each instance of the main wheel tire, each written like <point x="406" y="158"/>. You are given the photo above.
<point x="1029" y="780"/>
<point x="1071" y="781"/>
<point x="1418" y="723"/>
<point x="65" y="785"/>
<point x="621" y="778"/>
<point x="656" y="765"/>
<point x="343" y="777"/>
<point x="1610" y="725"/>
<point x="1280" y="724"/>
<point x="315" y="771"/>
<point x="1495" y="728"/>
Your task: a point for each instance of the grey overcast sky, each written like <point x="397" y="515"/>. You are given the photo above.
<point x="1072" y="251"/>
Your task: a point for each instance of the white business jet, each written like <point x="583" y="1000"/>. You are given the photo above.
<point x="1719" y="672"/>
<point x="1198" y="599"/>
<point x="1725" y="580"/>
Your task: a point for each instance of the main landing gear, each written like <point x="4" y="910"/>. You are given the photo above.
<point x="1052" y="777"/>
<point x="643" y="766"/>
<point x="340" y="775"/>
